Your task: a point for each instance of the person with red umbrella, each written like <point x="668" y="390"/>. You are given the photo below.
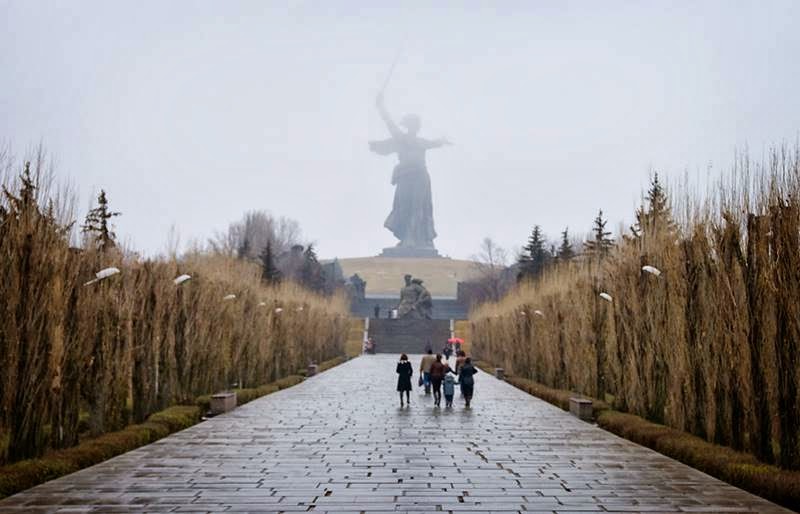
<point x="456" y="342"/>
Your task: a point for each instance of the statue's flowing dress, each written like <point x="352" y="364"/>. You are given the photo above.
<point x="411" y="219"/>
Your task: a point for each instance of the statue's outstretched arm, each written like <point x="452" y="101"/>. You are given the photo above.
<point x="393" y="130"/>
<point x="434" y="143"/>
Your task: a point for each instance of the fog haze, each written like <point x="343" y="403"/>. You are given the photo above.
<point x="190" y="113"/>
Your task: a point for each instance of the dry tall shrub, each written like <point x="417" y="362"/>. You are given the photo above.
<point x="711" y="346"/>
<point x="122" y="348"/>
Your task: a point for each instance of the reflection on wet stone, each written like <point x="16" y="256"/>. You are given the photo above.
<point x="339" y="443"/>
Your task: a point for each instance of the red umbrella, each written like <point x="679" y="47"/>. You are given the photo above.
<point x="455" y="340"/>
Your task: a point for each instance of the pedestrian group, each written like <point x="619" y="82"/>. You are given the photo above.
<point x="435" y="376"/>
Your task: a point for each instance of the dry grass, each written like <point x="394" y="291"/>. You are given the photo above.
<point x="135" y="343"/>
<point x="355" y="338"/>
<point x="709" y="347"/>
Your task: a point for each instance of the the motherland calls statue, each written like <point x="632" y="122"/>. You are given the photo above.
<point x="415" y="300"/>
<point x="411" y="219"/>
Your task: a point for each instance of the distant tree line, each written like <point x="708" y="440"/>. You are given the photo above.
<point x="275" y="243"/>
<point x="495" y="277"/>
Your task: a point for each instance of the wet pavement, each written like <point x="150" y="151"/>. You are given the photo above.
<point x="339" y="442"/>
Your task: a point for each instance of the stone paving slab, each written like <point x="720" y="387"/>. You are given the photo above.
<point x="340" y="443"/>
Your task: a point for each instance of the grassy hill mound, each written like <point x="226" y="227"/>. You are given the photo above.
<point x="384" y="275"/>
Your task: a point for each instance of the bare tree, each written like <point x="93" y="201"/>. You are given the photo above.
<point x="491" y="266"/>
<point x="248" y="237"/>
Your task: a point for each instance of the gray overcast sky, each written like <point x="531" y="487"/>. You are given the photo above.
<point x="190" y="113"/>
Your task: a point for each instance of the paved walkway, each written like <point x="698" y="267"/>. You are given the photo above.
<point x="340" y="443"/>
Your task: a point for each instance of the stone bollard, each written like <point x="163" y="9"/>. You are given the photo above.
<point x="581" y="408"/>
<point x="222" y="402"/>
<point x="500" y="373"/>
<point x="312" y="370"/>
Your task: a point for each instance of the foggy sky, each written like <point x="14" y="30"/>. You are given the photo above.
<point x="190" y="113"/>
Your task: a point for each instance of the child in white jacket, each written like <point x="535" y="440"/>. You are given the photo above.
<point x="449" y="386"/>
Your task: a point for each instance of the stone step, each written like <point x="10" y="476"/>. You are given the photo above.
<point x="408" y="335"/>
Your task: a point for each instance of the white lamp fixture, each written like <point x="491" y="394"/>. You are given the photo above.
<point x="652" y="270"/>
<point x="103" y="274"/>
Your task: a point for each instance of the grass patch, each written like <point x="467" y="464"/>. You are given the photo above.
<point x="737" y="468"/>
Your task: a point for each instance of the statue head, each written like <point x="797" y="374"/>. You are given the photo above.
<point x="408" y="279"/>
<point x="412" y="123"/>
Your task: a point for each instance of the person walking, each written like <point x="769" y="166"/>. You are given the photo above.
<point x="467" y="381"/>
<point x="449" y="386"/>
<point x="447" y="351"/>
<point x="404" y="372"/>
<point x="460" y="358"/>
<point x="425" y="369"/>
<point x="438" y="371"/>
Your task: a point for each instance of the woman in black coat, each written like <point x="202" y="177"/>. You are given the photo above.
<point x="465" y="373"/>
<point x="404" y="372"/>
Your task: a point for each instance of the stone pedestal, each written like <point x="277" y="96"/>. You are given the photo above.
<point x="581" y="408"/>
<point x="222" y="402"/>
<point x="500" y="373"/>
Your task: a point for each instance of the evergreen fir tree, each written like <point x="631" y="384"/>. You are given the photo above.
<point x="311" y="271"/>
<point x="97" y="224"/>
<point x="655" y="215"/>
<point x="565" y="251"/>
<point x="601" y="244"/>
<point x="25" y="203"/>
<point x="535" y="256"/>
<point x="270" y="274"/>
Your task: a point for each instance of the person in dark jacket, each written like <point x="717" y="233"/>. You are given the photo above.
<point x="438" y="370"/>
<point x="404" y="372"/>
<point x="465" y="378"/>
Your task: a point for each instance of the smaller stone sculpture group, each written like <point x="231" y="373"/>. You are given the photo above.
<point x="415" y="300"/>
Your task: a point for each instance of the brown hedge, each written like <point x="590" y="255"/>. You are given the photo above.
<point x="737" y="468"/>
<point x="28" y="473"/>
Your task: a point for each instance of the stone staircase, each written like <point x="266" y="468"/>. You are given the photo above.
<point x="408" y="335"/>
